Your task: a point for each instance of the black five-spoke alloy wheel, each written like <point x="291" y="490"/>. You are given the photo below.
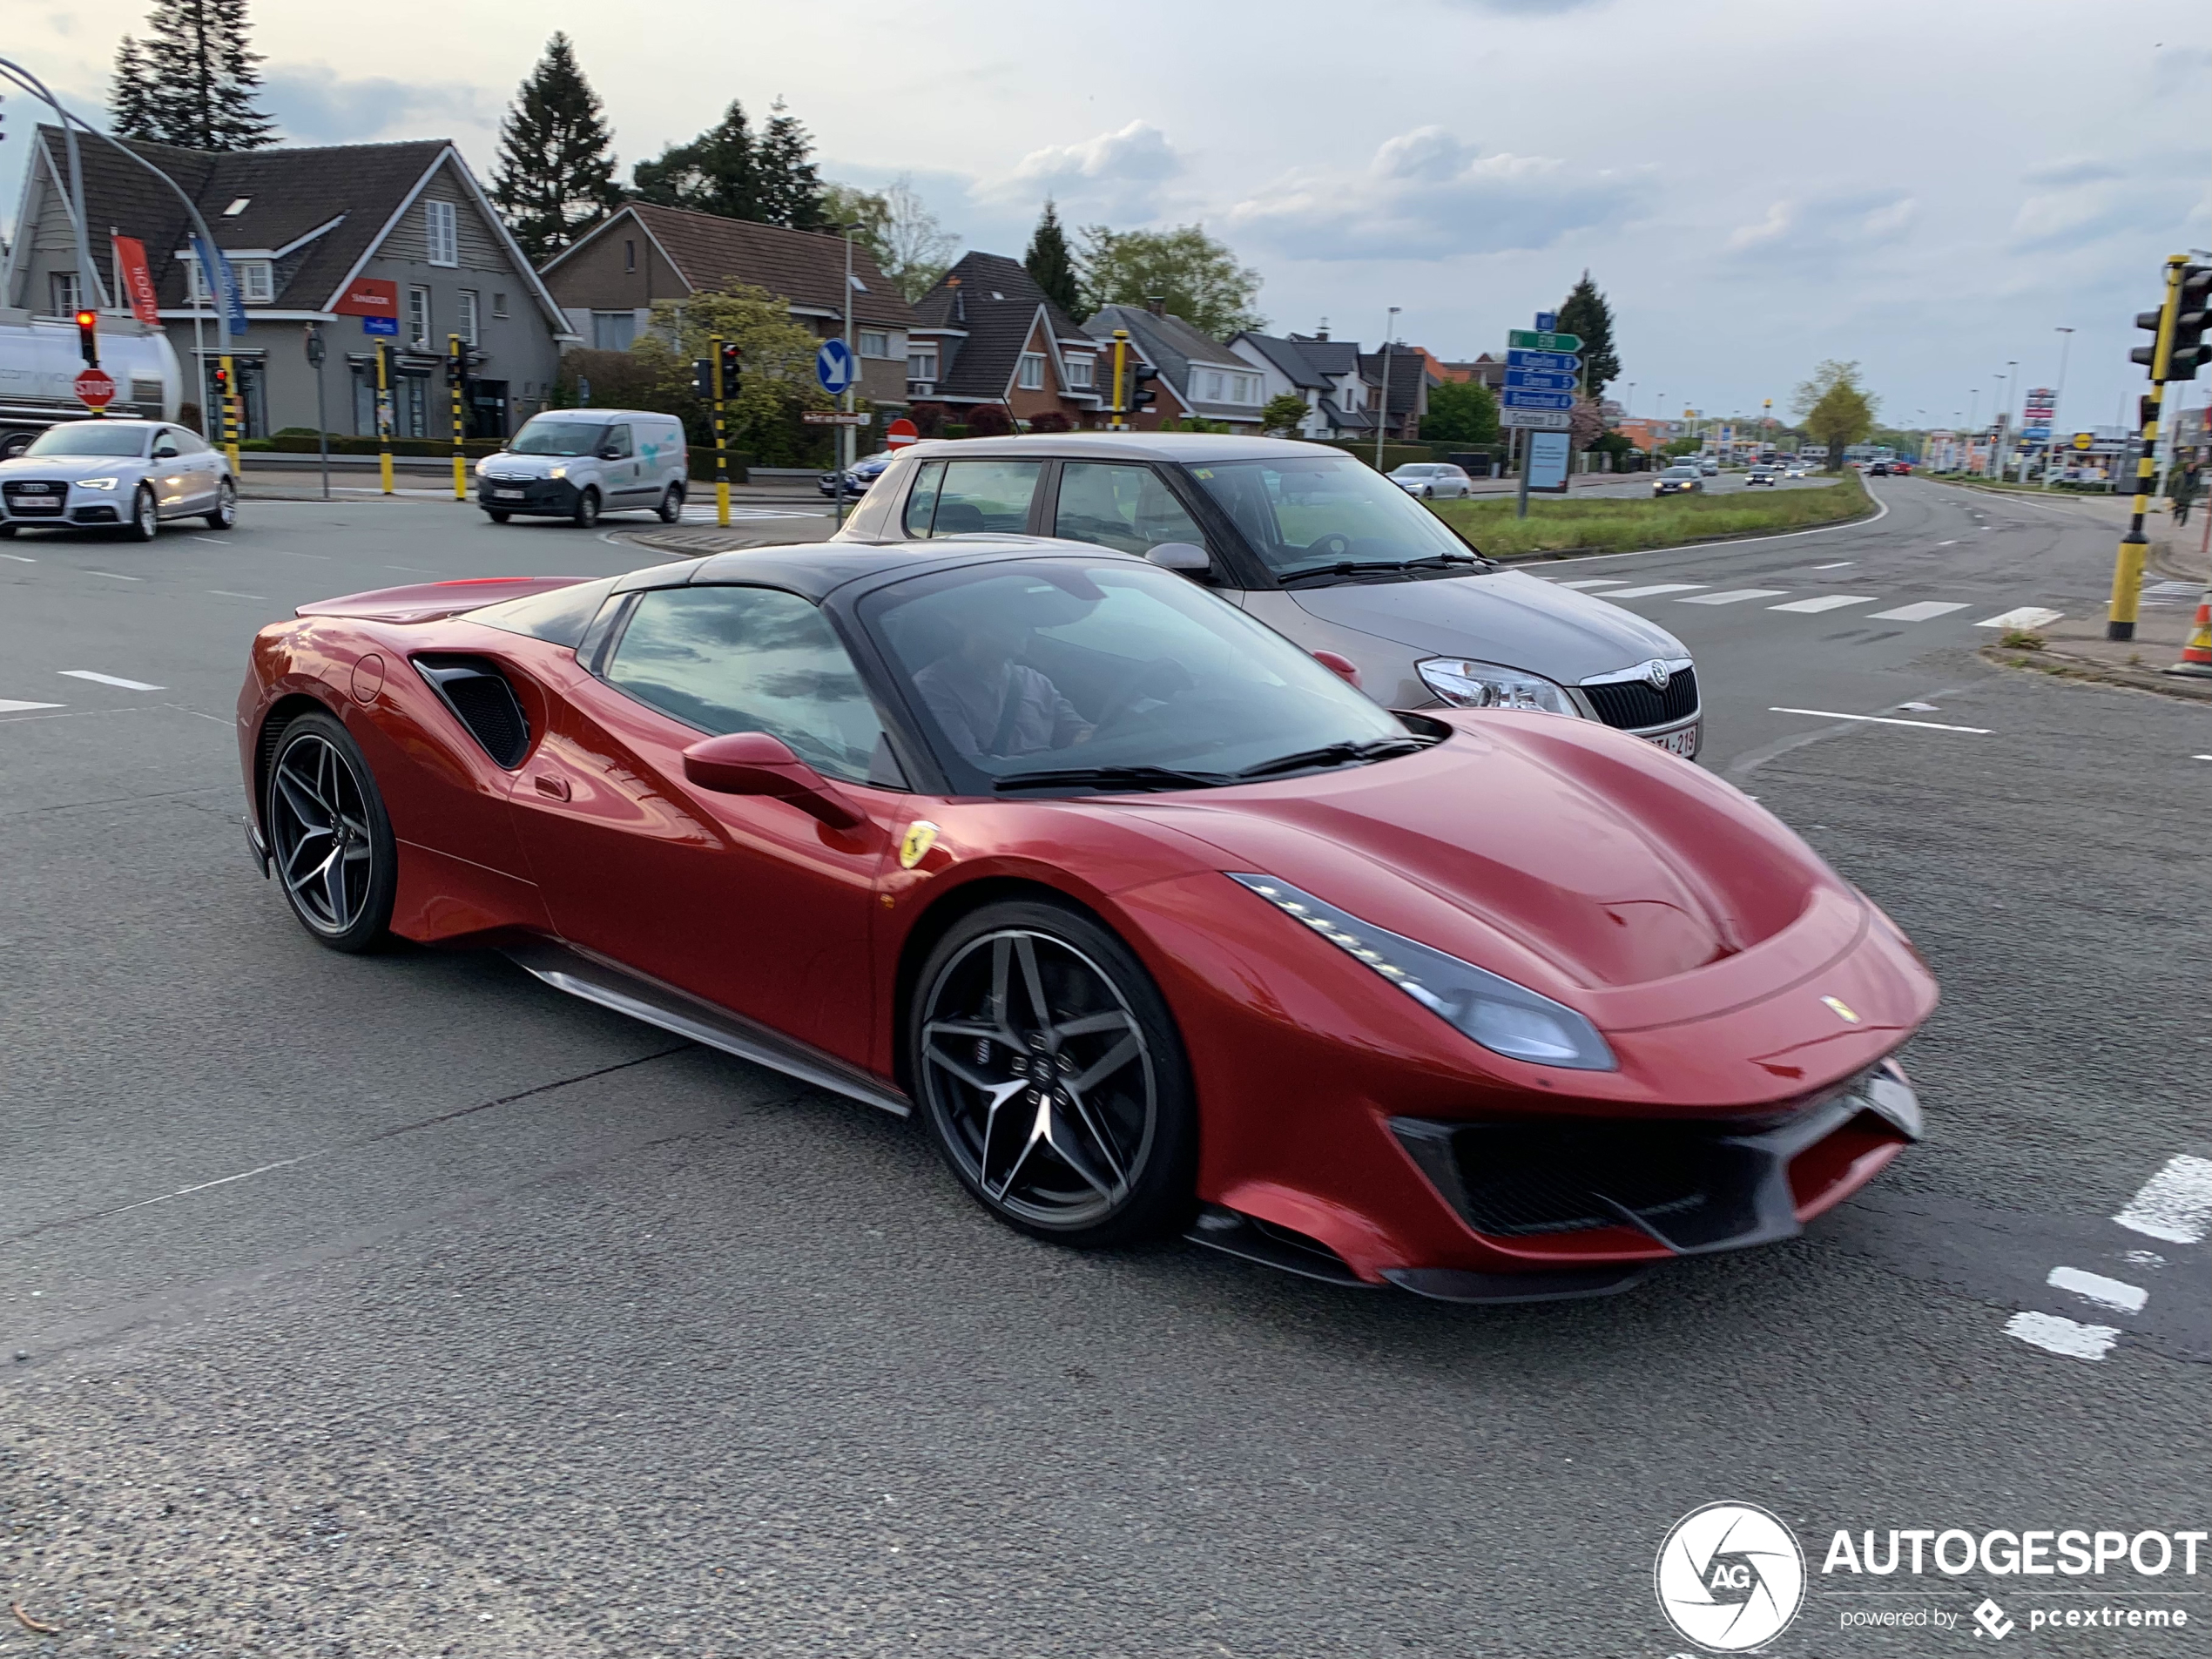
<point x="1052" y="1076"/>
<point x="329" y="836"/>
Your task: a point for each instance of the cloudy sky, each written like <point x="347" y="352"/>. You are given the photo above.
<point x="1931" y="189"/>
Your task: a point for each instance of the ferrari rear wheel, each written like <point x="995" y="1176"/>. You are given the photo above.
<point x="1052" y="1078"/>
<point x="329" y="835"/>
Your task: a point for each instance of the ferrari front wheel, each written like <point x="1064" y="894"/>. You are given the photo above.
<point x="1052" y="1078"/>
<point x="328" y="835"/>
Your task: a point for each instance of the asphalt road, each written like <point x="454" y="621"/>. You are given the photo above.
<point x="400" y="1306"/>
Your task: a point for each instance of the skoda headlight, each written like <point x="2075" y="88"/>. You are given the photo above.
<point x="1488" y="685"/>
<point x="1505" y="1018"/>
<point x="95" y="483"/>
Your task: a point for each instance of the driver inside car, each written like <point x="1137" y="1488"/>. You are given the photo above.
<point x="989" y="705"/>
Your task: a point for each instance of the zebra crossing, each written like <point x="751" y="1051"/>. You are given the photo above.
<point x="1815" y="604"/>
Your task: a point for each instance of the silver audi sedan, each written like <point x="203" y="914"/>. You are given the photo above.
<point x="1321" y="548"/>
<point x="131" y="476"/>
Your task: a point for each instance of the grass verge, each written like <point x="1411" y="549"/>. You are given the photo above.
<point x="1614" y="525"/>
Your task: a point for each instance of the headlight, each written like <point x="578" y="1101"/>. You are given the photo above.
<point x="95" y="483"/>
<point x="1505" y="1018"/>
<point x="556" y="472"/>
<point x="1488" y="685"/>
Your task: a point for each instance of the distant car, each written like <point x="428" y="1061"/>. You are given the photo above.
<point x="1795" y="470"/>
<point x="858" y="476"/>
<point x="1901" y="468"/>
<point x="1428" y="482"/>
<point x="113" y="475"/>
<point x="1709" y="468"/>
<point x="577" y="463"/>
<point x="1685" y="479"/>
<point x="1878" y="470"/>
<point x="1759" y="474"/>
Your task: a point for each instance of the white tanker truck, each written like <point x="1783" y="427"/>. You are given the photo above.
<point x="40" y="361"/>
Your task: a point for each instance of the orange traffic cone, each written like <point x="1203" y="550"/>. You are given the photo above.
<point x="2196" y="655"/>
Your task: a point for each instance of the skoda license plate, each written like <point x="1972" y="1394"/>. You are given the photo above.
<point x="1683" y="743"/>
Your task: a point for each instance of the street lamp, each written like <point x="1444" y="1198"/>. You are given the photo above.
<point x="1382" y="415"/>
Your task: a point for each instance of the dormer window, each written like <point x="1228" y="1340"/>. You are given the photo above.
<point x="256" y="283"/>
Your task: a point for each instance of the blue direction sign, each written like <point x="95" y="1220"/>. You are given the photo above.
<point x="1516" y="399"/>
<point x="834" y="366"/>
<point x="1536" y="380"/>
<point x="1556" y="362"/>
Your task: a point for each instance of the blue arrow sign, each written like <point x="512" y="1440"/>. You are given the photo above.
<point x="1536" y="380"/>
<point x="1556" y="362"/>
<point x="834" y="366"/>
<point x="1516" y="399"/>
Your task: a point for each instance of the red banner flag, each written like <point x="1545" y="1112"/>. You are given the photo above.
<point x="137" y="280"/>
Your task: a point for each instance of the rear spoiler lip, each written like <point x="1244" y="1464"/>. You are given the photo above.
<point x="434" y="601"/>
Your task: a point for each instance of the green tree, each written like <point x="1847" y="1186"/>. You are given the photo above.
<point x="777" y="382"/>
<point x="716" y="173"/>
<point x="1049" y="261"/>
<point x="1461" y="412"/>
<point x="1836" y="407"/>
<point x="1584" y="311"/>
<point x="191" y="81"/>
<point x="1681" y="447"/>
<point x="910" y="247"/>
<point x="555" y="173"/>
<point x="1198" y="277"/>
<point x="1285" y="412"/>
<point x="790" y="184"/>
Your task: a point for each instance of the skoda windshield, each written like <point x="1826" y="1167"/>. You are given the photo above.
<point x="1078" y="676"/>
<point x="1331" y="516"/>
<point x="544" y="436"/>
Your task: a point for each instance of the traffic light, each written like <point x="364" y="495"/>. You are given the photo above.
<point x="456" y="362"/>
<point x="703" y="378"/>
<point x="2190" y="316"/>
<point x="1143" y="397"/>
<point x="88" y="337"/>
<point x="220" y="377"/>
<point x="733" y="362"/>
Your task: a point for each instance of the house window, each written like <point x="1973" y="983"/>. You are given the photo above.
<point x="498" y="306"/>
<point x="63" y="289"/>
<point x="441" y="224"/>
<point x="874" y="343"/>
<point x="921" y="363"/>
<point x="1212" y="392"/>
<point x="466" y="322"/>
<point x="418" y="316"/>
<point x="1032" y="378"/>
<point x="255" y="283"/>
<point x="629" y="257"/>
<point x="613" y="330"/>
<point x="1080" y="372"/>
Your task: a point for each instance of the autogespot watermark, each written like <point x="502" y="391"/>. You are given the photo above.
<point x="1732" y="1576"/>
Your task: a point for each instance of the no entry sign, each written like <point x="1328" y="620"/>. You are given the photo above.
<point x="96" y="388"/>
<point x="900" y="433"/>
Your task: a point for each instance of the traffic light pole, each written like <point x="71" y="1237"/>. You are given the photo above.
<point x="721" y="437"/>
<point x="2128" y="567"/>
<point x="384" y="414"/>
<point x="457" y="369"/>
<point x="1121" y="362"/>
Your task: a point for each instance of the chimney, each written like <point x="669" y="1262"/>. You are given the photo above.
<point x="1156" y="304"/>
<point x="1322" y="332"/>
<point x="959" y="301"/>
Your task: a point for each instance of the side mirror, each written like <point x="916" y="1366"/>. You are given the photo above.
<point x="1342" y="666"/>
<point x="753" y="762"/>
<point x="610" y="454"/>
<point x="1180" y="555"/>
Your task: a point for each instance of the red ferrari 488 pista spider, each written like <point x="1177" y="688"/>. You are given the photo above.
<point x="1156" y="921"/>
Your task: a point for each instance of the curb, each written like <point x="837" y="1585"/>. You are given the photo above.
<point x="2060" y="665"/>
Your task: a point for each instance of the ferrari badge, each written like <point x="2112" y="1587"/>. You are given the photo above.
<point x="922" y="835"/>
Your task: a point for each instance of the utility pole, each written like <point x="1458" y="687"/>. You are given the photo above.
<point x="1382" y="415"/>
<point x="717" y="351"/>
<point x="384" y="414"/>
<point x="845" y="434"/>
<point x="457" y="371"/>
<point x="323" y="421"/>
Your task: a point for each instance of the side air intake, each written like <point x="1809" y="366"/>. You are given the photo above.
<point x="480" y="699"/>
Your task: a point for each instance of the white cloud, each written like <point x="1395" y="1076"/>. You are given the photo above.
<point x="1428" y="194"/>
<point x="1829" y="230"/>
<point x="313" y="105"/>
<point x="1119" y="174"/>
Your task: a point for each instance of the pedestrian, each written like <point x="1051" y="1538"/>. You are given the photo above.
<point x="2182" y="492"/>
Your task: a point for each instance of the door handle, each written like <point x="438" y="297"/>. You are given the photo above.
<point x="557" y="788"/>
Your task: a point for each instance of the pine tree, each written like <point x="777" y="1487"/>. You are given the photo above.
<point x="1050" y="263"/>
<point x="716" y="173"/>
<point x="1584" y="311"/>
<point x="192" y="82"/>
<point x="555" y="175"/>
<point x="791" y="186"/>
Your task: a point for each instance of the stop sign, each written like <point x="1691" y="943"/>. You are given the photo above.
<point x="900" y="433"/>
<point x="96" y="388"/>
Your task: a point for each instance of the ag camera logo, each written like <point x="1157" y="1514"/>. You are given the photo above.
<point x="1730" y="1577"/>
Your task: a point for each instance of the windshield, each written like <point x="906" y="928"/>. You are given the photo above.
<point x="547" y="436"/>
<point x="1410" y="471"/>
<point x="1316" y="513"/>
<point x="1682" y="472"/>
<point x="1070" y="667"/>
<point x="90" y="438"/>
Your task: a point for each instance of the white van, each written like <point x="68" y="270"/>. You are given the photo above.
<point x="578" y="463"/>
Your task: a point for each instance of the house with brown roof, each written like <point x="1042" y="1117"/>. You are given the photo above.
<point x="608" y="279"/>
<point x="300" y="228"/>
<point x="988" y="334"/>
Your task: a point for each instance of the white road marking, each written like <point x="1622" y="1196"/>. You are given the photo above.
<point x="217" y="540"/>
<point x="1646" y="591"/>
<point x="1734" y="596"/>
<point x="2095" y="1287"/>
<point x="11" y="706"/>
<point x="2025" y="616"/>
<point x="1840" y="565"/>
<point x="225" y="593"/>
<point x="1950" y="543"/>
<point x="1926" y="610"/>
<point x="107" y="679"/>
<point x="1826" y="602"/>
<point x="111" y="574"/>
<point x="2175" y="1204"/>
<point x="1594" y="581"/>
<point x="412" y="570"/>
<point x="1883" y="720"/>
<point x="18" y="559"/>
<point x="2056" y="1335"/>
<point x="1918" y="708"/>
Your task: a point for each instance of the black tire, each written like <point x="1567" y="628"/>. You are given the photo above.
<point x="671" y="505"/>
<point x="1110" y="1156"/>
<point x="1428" y="492"/>
<point x="587" y="509"/>
<point x="145" y="516"/>
<point x="226" y="514"/>
<point x="496" y="516"/>
<point x="320" y="809"/>
<point x="6" y="530"/>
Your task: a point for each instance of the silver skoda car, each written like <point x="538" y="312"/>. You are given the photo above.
<point x="115" y="475"/>
<point x="1320" y="547"/>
